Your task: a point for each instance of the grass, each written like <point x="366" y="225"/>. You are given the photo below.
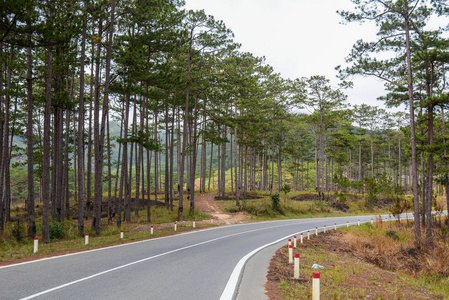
<point x="360" y="261"/>
<point x="262" y="209"/>
<point x="64" y="236"/>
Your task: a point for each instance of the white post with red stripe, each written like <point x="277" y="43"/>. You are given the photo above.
<point x="308" y="234"/>
<point x="290" y="254"/>
<point x="302" y="239"/>
<point x="36" y="244"/>
<point x="121" y="234"/>
<point x="316" y="286"/>
<point x="152" y="231"/>
<point x="176" y="226"/>
<point x="294" y="241"/>
<point x="335" y="226"/>
<point x="86" y="239"/>
<point x="296" y="267"/>
<point x="289" y="242"/>
<point x="324" y="228"/>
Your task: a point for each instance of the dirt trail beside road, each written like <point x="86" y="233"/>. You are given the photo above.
<point x="206" y="203"/>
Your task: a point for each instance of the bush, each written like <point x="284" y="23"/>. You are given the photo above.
<point x="56" y="230"/>
<point x="392" y="234"/>
<point x="275" y="202"/>
<point x="17" y="231"/>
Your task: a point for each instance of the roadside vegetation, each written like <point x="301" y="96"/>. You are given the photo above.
<point x="15" y="246"/>
<point x="379" y="261"/>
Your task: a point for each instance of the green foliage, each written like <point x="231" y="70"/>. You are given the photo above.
<point x="286" y="189"/>
<point x="18" y="231"/>
<point x="342" y="198"/>
<point x="372" y="191"/>
<point x="342" y="182"/>
<point x="392" y="234"/>
<point x="275" y="202"/>
<point x="444" y="230"/>
<point x="56" y="230"/>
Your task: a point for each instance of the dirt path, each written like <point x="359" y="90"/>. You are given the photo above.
<point x="206" y="203"/>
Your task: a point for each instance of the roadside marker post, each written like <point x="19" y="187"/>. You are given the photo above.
<point x="289" y="242"/>
<point x="358" y="224"/>
<point x="194" y="224"/>
<point x="316" y="230"/>
<point x="335" y="226"/>
<point x="36" y="244"/>
<point x="176" y="226"/>
<point x="347" y="223"/>
<point x="294" y="241"/>
<point x="324" y="228"/>
<point x="301" y="238"/>
<point x="316" y="286"/>
<point x="121" y="234"/>
<point x="308" y="234"/>
<point x="296" y="267"/>
<point x="290" y="254"/>
<point x="86" y="239"/>
<point x="152" y="229"/>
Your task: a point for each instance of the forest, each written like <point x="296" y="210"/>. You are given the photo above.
<point x="106" y="104"/>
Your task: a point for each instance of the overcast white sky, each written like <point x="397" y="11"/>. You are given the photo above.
<point x="297" y="37"/>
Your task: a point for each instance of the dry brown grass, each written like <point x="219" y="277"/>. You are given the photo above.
<point x="392" y="246"/>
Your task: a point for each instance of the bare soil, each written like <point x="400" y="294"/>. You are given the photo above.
<point x="345" y="275"/>
<point x="206" y="203"/>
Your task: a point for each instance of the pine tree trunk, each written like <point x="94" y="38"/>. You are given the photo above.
<point x="46" y="158"/>
<point x="429" y="237"/>
<point x="31" y="214"/>
<point x="413" y="135"/>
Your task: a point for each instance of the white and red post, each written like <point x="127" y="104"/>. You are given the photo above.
<point x="36" y="244"/>
<point x="316" y="286"/>
<point x="86" y="239"/>
<point x="152" y="231"/>
<point x="296" y="267"/>
<point x="176" y="226"/>
<point x="302" y="238"/>
<point x="294" y="241"/>
<point x="308" y="234"/>
<point x="290" y="254"/>
<point x="121" y="234"/>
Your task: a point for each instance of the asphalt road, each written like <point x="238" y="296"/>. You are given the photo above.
<point x="218" y="263"/>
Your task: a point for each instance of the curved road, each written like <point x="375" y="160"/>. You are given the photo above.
<point x="205" y="264"/>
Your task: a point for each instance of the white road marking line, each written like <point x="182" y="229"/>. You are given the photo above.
<point x="146" y="259"/>
<point x="231" y="286"/>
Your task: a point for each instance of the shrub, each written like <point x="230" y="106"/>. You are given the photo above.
<point x="17" y="231"/>
<point x="275" y="202"/>
<point x="392" y="234"/>
<point x="56" y="230"/>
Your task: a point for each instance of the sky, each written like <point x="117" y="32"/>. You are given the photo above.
<point x="298" y="38"/>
